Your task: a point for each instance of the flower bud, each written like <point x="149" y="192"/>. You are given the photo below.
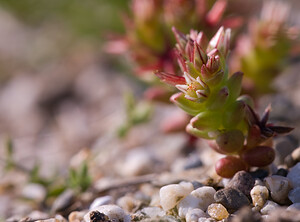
<point x="192" y="70"/>
<point x="194" y="89"/>
<point x="215" y="14"/>
<point x="220" y="41"/>
<point x="181" y="39"/>
<point x="200" y="56"/>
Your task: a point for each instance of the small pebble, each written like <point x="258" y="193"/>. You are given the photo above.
<point x="259" y="195"/>
<point x="35" y="215"/>
<point x="294" y="175"/>
<point x="282" y="172"/>
<point x="283" y="147"/>
<point x="34" y="191"/>
<point x="295" y="206"/>
<point x="232" y="199"/>
<point x="128" y="203"/>
<point x="242" y="181"/>
<point x="279" y="187"/>
<point x="60" y="218"/>
<point x="269" y="207"/>
<point x="294" y="195"/>
<point x="217" y="211"/>
<point x="153" y="212"/>
<point x="206" y="196"/>
<point x="188" y="203"/>
<point x="196" y="184"/>
<point x="296" y="155"/>
<point x="283" y="215"/>
<point x="112" y="212"/>
<point x="259" y="174"/>
<point x="192" y="162"/>
<point x="258" y="182"/>
<point x="205" y="219"/>
<point x="193" y="215"/>
<point x="63" y="201"/>
<point x="76" y="216"/>
<point x="170" y="195"/>
<point x="101" y="201"/>
<point x="137" y="162"/>
<point x="246" y="215"/>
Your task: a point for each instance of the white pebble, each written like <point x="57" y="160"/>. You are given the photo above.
<point x="193" y="215"/>
<point x="153" y="212"/>
<point x="34" y="191"/>
<point x="295" y="206"/>
<point x="170" y="195"/>
<point x="279" y="187"/>
<point x="113" y="212"/>
<point x="205" y="219"/>
<point x="294" y="175"/>
<point x="206" y="196"/>
<point x="269" y="207"/>
<point x="259" y="195"/>
<point x="138" y="161"/>
<point x="258" y="182"/>
<point x="76" y="216"/>
<point x="294" y="195"/>
<point x="127" y="203"/>
<point x="186" y="204"/>
<point x="101" y="201"/>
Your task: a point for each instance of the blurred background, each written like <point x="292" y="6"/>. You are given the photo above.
<point x="62" y="99"/>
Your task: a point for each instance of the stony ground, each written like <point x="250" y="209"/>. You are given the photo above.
<point x="62" y="105"/>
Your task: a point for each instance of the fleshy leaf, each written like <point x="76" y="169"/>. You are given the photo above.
<point x="186" y="105"/>
<point x="170" y="78"/>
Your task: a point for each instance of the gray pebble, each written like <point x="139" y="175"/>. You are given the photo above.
<point x="101" y="201"/>
<point x="283" y="147"/>
<point x="294" y="175"/>
<point x="232" y="199"/>
<point x="282" y="172"/>
<point x="279" y="187"/>
<point x="295" y="206"/>
<point x="246" y="215"/>
<point x="283" y="215"/>
<point x="63" y="201"/>
<point x="34" y="191"/>
<point x="242" y="181"/>
<point x="269" y="207"/>
<point x="294" y="195"/>
<point x="105" y="212"/>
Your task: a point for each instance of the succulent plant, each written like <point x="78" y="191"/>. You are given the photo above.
<point x="149" y="40"/>
<point x="213" y="98"/>
<point x="263" y="52"/>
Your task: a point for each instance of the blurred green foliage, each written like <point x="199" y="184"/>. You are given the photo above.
<point x="89" y="18"/>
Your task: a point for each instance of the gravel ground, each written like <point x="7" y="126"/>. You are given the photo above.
<point x="62" y="105"/>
